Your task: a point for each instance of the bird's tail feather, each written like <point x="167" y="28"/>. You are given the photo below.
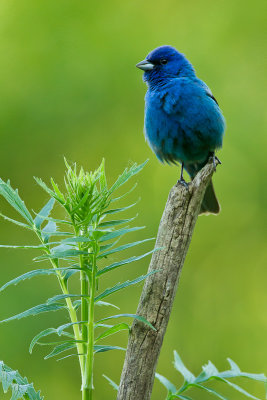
<point x="210" y="204"/>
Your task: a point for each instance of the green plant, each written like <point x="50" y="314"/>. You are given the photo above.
<point x="209" y="372"/>
<point x="83" y="239"/>
<point x="20" y="387"/>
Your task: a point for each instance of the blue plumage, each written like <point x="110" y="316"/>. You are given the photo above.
<point x="183" y="122"/>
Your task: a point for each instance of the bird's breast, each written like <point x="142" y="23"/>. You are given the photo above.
<point x="187" y="134"/>
<point x="162" y="133"/>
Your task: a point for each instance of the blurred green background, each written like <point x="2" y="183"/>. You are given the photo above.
<point x="69" y="87"/>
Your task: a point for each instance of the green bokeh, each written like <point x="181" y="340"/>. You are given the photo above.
<point x="69" y="87"/>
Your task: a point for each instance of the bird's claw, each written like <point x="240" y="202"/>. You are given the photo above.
<point x="215" y="160"/>
<point x="183" y="183"/>
<point x="218" y="160"/>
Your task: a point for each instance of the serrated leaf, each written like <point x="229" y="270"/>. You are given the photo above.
<point x="102" y="176"/>
<point x="61" y="254"/>
<point x="76" y="239"/>
<point x="8" y="246"/>
<point x="123" y="262"/>
<point x="45" y="212"/>
<point x="165" y="382"/>
<point x="236" y="372"/>
<point x="103" y="326"/>
<point x="19" y="386"/>
<point x="126" y="175"/>
<point x="120" y="286"/>
<point x="59" y="297"/>
<point x="41" y="308"/>
<point x="71" y="355"/>
<point x="124" y="194"/>
<point x="115" y="222"/>
<point x="102" y="349"/>
<point x="57" y="191"/>
<point x="123" y="247"/>
<point x="114" y="329"/>
<point x="45" y="333"/>
<point x="7" y="378"/>
<point x="112" y="383"/>
<point x="60" y="349"/>
<point x="31" y="274"/>
<point x="105" y="247"/>
<point x="21" y="224"/>
<point x="179" y="365"/>
<point x="49" y="230"/>
<point x="13" y="198"/>
<point x="208" y="370"/>
<point x="234" y="367"/>
<point x="209" y="390"/>
<point x="48" y="190"/>
<point x="61" y="328"/>
<point x="56" y="220"/>
<point x="58" y="233"/>
<point x="119" y="232"/>
<point x="117" y="210"/>
<point x="68" y="274"/>
<point x="18" y="391"/>
<point x="104" y="303"/>
<point x="82" y="201"/>
<point x="239" y="389"/>
<point x="135" y="316"/>
<point x="77" y="304"/>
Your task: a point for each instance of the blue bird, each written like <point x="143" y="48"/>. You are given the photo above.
<point x="183" y="121"/>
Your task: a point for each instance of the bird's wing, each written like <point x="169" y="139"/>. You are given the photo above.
<point x="179" y="94"/>
<point x="192" y="111"/>
<point x="207" y="90"/>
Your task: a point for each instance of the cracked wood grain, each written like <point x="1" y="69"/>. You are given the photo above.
<point x="174" y="237"/>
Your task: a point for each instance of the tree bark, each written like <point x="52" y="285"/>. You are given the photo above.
<point x="174" y="236"/>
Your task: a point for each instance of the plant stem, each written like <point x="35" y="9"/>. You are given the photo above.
<point x="71" y="309"/>
<point x="73" y="318"/>
<point x="86" y="394"/>
<point x="84" y="303"/>
<point x="90" y="345"/>
<point x="84" y="317"/>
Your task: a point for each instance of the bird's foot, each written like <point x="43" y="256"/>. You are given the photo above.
<point x="215" y="160"/>
<point x="183" y="183"/>
<point x="218" y="160"/>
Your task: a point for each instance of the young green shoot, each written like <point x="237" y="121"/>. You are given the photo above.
<point x="80" y="243"/>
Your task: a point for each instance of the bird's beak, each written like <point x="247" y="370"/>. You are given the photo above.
<point x="145" y="65"/>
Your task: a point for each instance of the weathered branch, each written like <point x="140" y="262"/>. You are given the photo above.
<point x="174" y="236"/>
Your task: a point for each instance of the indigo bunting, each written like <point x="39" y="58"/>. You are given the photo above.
<point x="183" y="121"/>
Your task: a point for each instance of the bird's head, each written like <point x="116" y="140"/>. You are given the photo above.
<point x="165" y="62"/>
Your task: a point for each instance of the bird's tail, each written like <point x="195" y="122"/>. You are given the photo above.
<point x="210" y="204"/>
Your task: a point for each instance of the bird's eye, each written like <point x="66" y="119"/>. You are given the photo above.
<point x="163" y="61"/>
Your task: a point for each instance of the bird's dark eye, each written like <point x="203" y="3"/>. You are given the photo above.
<point x="163" y="61"/>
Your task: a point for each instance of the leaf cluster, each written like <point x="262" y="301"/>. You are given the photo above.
<point x="19" y="386"/>
<point x="80" y="243"/>
<point x="209" y="373"/>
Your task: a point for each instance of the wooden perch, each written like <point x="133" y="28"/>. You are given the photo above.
<point x="174" y="236"/>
